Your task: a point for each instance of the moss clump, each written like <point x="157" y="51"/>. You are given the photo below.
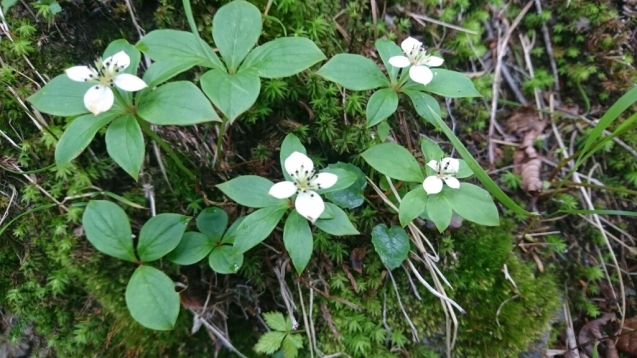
<point x="497" y="324"/>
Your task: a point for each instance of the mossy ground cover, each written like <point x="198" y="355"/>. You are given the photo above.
<point x="73" y="296"/>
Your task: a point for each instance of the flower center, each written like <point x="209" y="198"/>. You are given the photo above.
<point x="305" y="180"/>
<point x="105" y="72"/>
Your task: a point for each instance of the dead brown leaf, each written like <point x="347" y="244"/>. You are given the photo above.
<point x="627" y="340"/>
<point x="592" y="332"/>
<point x="526" y="125"/>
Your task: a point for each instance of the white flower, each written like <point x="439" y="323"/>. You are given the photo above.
<point x="304" y="181"/>
<point x="445" y="169"/>
<point x="418" y="59"/>
<point x="105" y="74"/>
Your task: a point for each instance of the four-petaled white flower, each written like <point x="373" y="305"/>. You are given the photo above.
<point x="304" y="182"/>
<point x="105" y="74"/>
<point x="418" y="59"/>
<point x="445" y="169"/>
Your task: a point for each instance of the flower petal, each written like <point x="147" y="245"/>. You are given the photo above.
<point x="433" y="61"/>
<point x="421" y="74"/>
<point x="399" y="61"/>
<point x="309" y="205"/>
<point x="80" y="73"/>
<point x="433" y="164"/>
<point x="128" y="82"/>
<point x="297" y="160"/>
<point x="410" y="44"/>
<point x="99" y="99"/>
<point x="450" y="165"/>
<point x="432" y="184"/>
<point x="325" y="180"/>
<point x="452" y="182"/>
<point x="283" y="190"/>
<point x="119" y="60"/>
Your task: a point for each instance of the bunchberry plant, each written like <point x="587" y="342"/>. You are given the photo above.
<point x="418" y="59"/>
<point x="272" y="201"/>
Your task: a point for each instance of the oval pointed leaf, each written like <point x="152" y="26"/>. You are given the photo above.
<point x="344" y="181"/>
<point x="78" y="135"/>
<point x="232" y="94"/>
<point x="412" y="205"/>
<point x="174" y="45"/>
<point x="298" y="240"/>
<point x="472" y="203"/>
<point x="394" y="161"/>
<point x="162" y="71"/>
<point x="339" y="225"/>
<point x="388" y="49"/>
<point x="151" y="298"/>
<point x="125" y="144"/>
<point x="354" y="72"/>
<point x="424" y="105"/>
<point x="256" y="227"/>
<point x="431" y="150"/>
<point x="236" y="28"/>
<point x="251" y="191"/>
<point x="382" y="104"/>
<point x="212" y="222"/>
<point x="107" y="227"/>
<point x="225" y="260"/>
<point x="392" y="245"/>
<point x="439" y="211"/>
<point x="451" y="84"/>
<point x="160" y="235"/>
<point x="61" y="97"/>
<point x="177" y="103"/>
<point x="192" y="248"/>
<point x="352" y="196"/>
<point x="283" y="57"/>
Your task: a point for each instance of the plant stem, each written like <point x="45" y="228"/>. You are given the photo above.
<point x="222" y="132"/>
<point x="146" y="128"/>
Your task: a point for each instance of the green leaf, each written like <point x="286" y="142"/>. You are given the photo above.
<point x="160" y="235"/>
<point x="173" y="45"/>
<point x="391" y="244"/>
<point x="382" y="104"/>
<point x="290" y="144"/>
<point x="162" y="71"/>
<point x="151" y="298"/>
<point x="125" y="144"/>
<point x="283" y="57"/>
<point x="232" y="94"/>
<point x="394" y="161"/>
<point x="212" y="222"/>
<point x="276" y="321"/>
<point x="344" y="181"/>
<point x="291" y="345"/>
<point x="61" y="97"/>
<point x="388" y="49"/>
<point x="251" y="191"/>
<point x="424" y="104"/>
<point x="354" y="72"/>
<point x="224" y="260"/>
<point x="231" y="233"/>
<point x="472" y="203"/>
<point x="439" y="211"/>
<point x="383" y="131"/>
<point x="236" y="28"/>
<point x="269" y="342"/>
<point x="337" y="226"/>
<point x="298" y="240"/>
<point x="463" y="171"/>
<point x="177" y="103"/>
<point x="256" y="227"/>
<point x="107" y="227"/>
<point x="78" y="135"/>
<point x="412" y="205"/>
<point x="7" y="5"/>
<point x="352" y="196"/>
<point x="192" y="248"/>
<point x="477" y="169"/>
<point x="431" y="150"/>
<point x="451" y="84"/>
